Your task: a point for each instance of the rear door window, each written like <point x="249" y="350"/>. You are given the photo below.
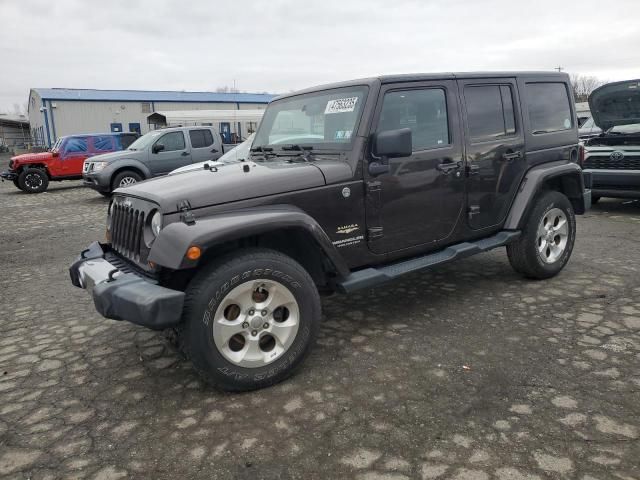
<point x="103" y="144"/>
<point x="490" y="112"/>
<point x="201" y="138"/>
<point x="549" y="107"/>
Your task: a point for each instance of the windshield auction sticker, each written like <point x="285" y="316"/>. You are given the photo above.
<point x="341" y="105"/>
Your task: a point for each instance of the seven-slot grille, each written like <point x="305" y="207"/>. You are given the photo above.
<point x="127" y="230"/>
<point x="629" y="162"/>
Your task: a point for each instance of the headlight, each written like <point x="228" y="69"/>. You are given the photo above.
<point x="97" y="166"/>
<point x="156" y="223"/>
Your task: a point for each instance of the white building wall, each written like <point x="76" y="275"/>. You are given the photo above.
<point x="78" y="116"/>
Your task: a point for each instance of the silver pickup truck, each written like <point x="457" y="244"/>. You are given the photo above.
<point x="154" y="154"/>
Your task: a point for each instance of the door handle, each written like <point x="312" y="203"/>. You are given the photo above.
<point x="511" y="156"/>
<point x="184" y="154"/>
<point x="447" y="167"/>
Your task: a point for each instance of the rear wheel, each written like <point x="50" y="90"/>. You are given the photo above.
<point x="547" y="239"/>
<point x="125" y="178"/>
<point x="250" y="319"/>
<point x="33" y="180"/>
<point x="594" y="200"/>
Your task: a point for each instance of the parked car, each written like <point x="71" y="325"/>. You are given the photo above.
<point x="612" y="159"/>
<point x="155" y="153"/>
<point x="32" y="172"/>
<point x="238" y="154"/>
<point x="589" y="129"/>
<point x="235" y="258"/>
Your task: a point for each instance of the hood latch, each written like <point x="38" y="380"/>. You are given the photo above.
<point x="186" y="214"/>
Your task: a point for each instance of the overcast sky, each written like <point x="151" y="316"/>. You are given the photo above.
<point x="283" y="45"/>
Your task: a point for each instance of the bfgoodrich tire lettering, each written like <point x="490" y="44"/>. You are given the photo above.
<point x="528" y="255"/>
<point x="209" y="291"/>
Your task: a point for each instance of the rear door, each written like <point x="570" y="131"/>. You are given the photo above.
<point x="174" y="154"/>
<point x="420" y="200"/>
<point x="203" y="145"/>
<point x="495" y="148"/>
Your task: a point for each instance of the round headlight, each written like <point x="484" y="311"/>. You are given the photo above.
<point x="156" y="223"/>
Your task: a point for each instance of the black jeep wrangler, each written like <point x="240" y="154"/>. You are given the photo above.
<point x="347" y="186"/>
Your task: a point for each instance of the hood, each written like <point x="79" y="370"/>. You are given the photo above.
<point x="113" y="156"/>
<point x="234" y="182"/>
<point x="33" y="157"/>
<point x="615" y="104"/>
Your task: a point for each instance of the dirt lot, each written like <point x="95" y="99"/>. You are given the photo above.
<point x="467" y="372"/>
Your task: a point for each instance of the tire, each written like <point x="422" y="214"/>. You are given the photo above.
<point x="234" y="349"/>
<point x="125" y="178"/>
<point x="16" y="183"/>
<point x="544" y="247"/>
<point x="33" y="180"/>
<point x="105" y="194"/>
<point x="594" y="200"/>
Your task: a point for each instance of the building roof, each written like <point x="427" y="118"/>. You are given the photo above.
<point x="149" y="96"/>
<point x="15" y="119"/>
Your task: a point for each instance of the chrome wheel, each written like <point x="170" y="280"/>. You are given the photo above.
<point x="126" y="181"/>
<point x="553" y="233"/>
<point x="256" y="323"/>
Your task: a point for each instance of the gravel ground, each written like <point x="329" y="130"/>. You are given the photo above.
<point x="465" y="372"/>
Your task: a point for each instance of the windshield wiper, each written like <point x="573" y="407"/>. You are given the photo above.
<point x="304" y="149"/>
<point x="262" y="149"/>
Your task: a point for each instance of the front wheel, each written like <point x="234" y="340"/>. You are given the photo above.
<point x="33" y="180"/>
<point x="125" y="179"/>
<point x="547" y="239"/>
<point x="16" y="183"/>
<point x="250" y="319"/>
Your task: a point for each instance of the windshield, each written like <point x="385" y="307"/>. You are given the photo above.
<point x="145" y="140"/>
<point x="588" y="123"/>
<point x="241" y="152"/>
<point x="57" y="145"/>
<point x="626" y="129"/>
<point x="322" y="120"/>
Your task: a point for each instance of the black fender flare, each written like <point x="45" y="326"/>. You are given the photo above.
<point x="124" y="163"/>
<point x="169" y="249"/>
<point x="533" y="182"/>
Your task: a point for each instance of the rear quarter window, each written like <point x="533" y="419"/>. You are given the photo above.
<point x="549" y="107"/>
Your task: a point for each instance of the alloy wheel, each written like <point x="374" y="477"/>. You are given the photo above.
<point x="553" y="233"/>
<point x="256" y="323"/>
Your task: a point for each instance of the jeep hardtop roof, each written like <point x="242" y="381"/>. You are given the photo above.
<point x="421" y="77"/>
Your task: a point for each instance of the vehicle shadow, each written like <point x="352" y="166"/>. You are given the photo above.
<point x="617" y="205"/>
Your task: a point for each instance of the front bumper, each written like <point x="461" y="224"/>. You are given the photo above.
<point x="9" y="175"/>
<point x="614" y="183"/>
<point x="97" y="182"/>
<point x="125" y="296"/>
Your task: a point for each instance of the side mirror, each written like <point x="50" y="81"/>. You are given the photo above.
<point x="393" y="143"/>
<point x="389" y="144"/>
<point x="55" y="154"/>
<point x="158" y="147"/>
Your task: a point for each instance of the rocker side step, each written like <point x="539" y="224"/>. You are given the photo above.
<point x="369" y="277"/>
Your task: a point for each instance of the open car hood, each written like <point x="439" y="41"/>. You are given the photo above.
<point x="615" y="104"/>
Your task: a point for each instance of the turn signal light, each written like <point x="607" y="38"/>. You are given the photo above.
<point x="193" y="253"/>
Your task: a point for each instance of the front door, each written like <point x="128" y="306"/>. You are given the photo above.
<point x="169" y="152"/>
<point x="495" y="149"/>
<point x="420" y="200"/>
<point x="76" y="151"/>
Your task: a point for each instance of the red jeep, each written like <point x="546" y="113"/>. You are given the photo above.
<point x="32" y="172"/>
